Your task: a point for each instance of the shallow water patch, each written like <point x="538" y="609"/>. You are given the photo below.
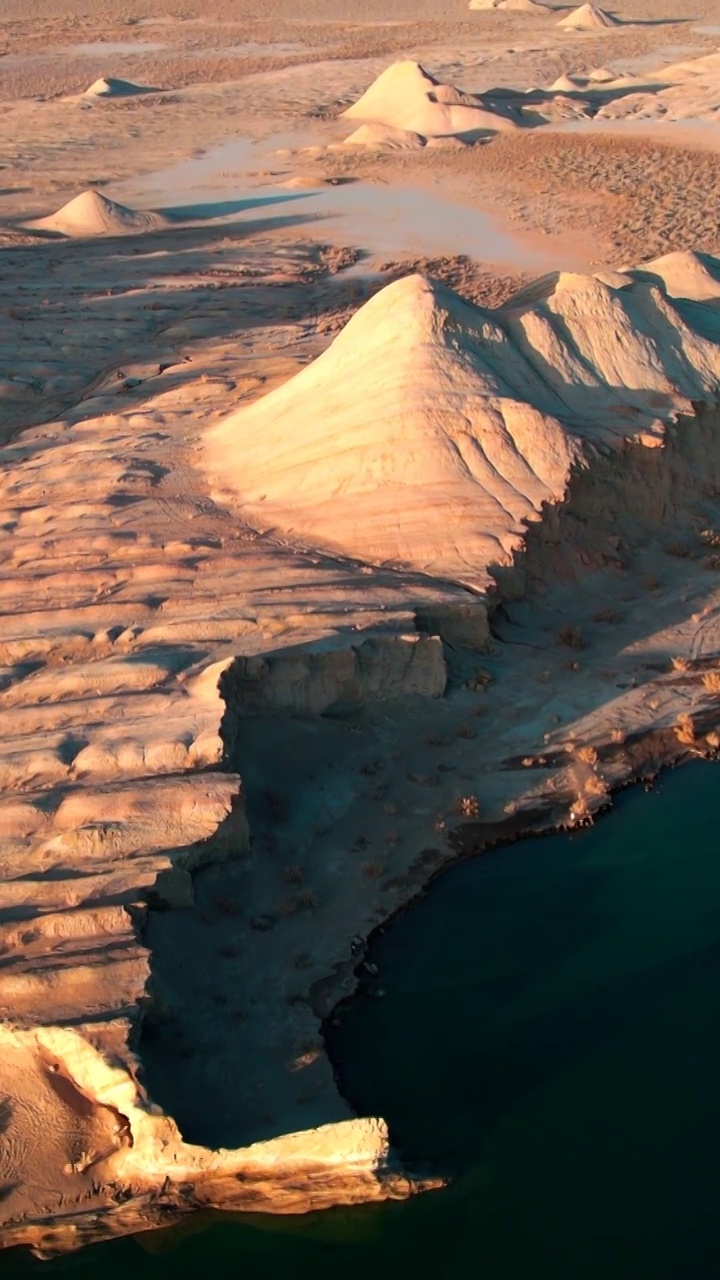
<point x="378" y="217"/>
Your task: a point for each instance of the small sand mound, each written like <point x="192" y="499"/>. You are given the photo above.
<point x="91" y="214"/>
<point x="381" y="137"/>
<point x="588" y="18"/>
<point x="566" y="84"/>
<point x="601" y="75"/>
<point x="108" y="87"/>
<point x="406" y="97"/>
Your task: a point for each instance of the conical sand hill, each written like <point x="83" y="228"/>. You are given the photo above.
<point x="110" y="87"/>
<point x="431" y="431"/>
<point x="406" y="97"/>
<point x="92" y="214"/>
<point x="588" y="18"/>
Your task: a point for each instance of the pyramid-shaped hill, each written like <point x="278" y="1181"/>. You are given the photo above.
<point x="405" y="96"/>
<point x="92" y="214"/>
<point x="431" y="431"/>
<point x="588" y="18"/>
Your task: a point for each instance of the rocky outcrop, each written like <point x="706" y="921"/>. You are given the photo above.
<point x="336" y="682"/>
<point x="69" y="1088"/>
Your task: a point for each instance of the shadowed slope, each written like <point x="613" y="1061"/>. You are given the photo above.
<point x="431" y="431"/>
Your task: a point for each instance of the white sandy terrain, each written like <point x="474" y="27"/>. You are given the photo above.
<point x="127" y="599"/>
<point x="288" y="623"/>
<point x="406" y="107"/>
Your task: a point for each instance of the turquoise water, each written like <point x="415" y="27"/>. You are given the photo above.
<point x="549" y="1033"/>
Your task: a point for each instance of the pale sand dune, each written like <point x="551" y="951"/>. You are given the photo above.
<point x="92" y="214"/>
<point x="460" y="441"/>
<point x="406" y="97"/>
<point x="112" y="87"/>
<point x="589" y="17"/>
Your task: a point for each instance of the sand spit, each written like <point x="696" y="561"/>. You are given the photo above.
<point x="407" y="97"/>
<point x="92" y="214"/>
<point x="464" y="438"/>
<point x="588" y="18"/>
<point x="564" y="451"/>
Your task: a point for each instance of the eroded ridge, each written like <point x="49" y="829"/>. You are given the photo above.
<point x="433" y="431"/>
<point x="410" y="628"/>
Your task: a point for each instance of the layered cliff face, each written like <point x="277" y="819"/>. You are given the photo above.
<point x="370" y="516"/>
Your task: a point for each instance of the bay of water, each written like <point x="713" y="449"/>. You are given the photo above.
<point x="550" y="1036"/>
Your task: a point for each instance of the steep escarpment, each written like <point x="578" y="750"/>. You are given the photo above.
<point x="191" y="873"/>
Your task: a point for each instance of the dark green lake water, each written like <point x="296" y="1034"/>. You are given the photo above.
<point x="551" y="1032"/>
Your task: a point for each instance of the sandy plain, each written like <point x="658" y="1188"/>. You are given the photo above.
<point x="289" y="622"/>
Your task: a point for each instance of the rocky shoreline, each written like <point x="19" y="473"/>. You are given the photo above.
<point x="243" y="755"/>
